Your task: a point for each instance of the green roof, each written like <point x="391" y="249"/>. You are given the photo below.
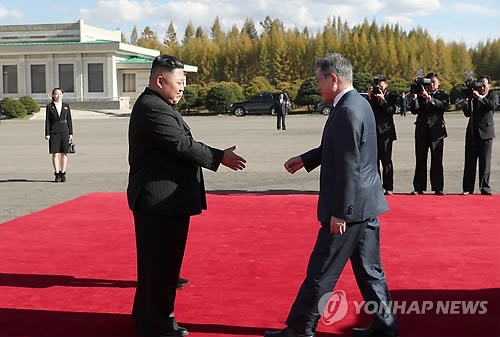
<point x="52" y="43"/>
<point x="137" y="60"/>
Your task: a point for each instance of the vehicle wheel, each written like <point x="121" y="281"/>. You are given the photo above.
<point x="326" y="110"/>
<point x="239" y="112"/>
<point x="273" y="112"/>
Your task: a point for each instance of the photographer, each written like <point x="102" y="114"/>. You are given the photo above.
<point x="479" y="106"/>
<point x="383" y="104"/>
<point x="429" y="104"/>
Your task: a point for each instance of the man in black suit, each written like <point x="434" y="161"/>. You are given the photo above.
<point x="479" y="137"/>
<point x="165" y="188"/>
<point x="281" y="110"/>
<point x="430" y="131"/>
<point x="350" y="199"/>
<point x="383" y="105"/>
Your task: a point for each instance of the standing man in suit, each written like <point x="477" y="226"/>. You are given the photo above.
<point x="383" y="105"/>
<point x="430" y="131"/>
<point x="479" y="137"/>
<point x="281" y="109"/>
<point x="165" y="188"/>
<point x="350" y="199"/>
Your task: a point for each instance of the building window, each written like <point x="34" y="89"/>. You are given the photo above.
<point x="128" y="82"/>
<point x="38" y="79"/>
<point x="66" y="77"/>
<point x="96" y="78"/>
<point x="10" y="79"/>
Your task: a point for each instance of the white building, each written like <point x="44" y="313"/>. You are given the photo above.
<point x="90" y="64"/>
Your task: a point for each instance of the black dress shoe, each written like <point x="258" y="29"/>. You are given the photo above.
<point x="57" y="177"/>
<point x="417" y="192"/>
<point x="373" y="331"/>
<point x="439" y="193"/>
<point x="63" y="176"/>
<point x="182" y="280"/>
<point x="388" y="192"/>
<point x="173" y="330"/>
<point x="485" y="193"/>
<point x="286" y="332"/>
<point x="177" y="332"/>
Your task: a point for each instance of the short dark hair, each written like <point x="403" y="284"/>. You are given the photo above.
<point x="167" y="62"/>
<point x="486" y="77"/>
<point x="431" y="75"/>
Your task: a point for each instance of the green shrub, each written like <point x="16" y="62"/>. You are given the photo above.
<point x="30" y="104"/>
<point x="219" y="98"/>
<point x="13" y="108"/>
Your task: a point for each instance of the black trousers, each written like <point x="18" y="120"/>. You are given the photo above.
<point x="384" y="156"/>
<point x="422" y="146"/>
<point x="281" y="121"/>
<point x="361" y="244"/>
<point x="161" y="240"/>
<point x="477" y="150"/>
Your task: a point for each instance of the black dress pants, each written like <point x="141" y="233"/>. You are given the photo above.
<point x="479" y="150"/>
<point x="384" y="154"/>
<point x="361" y="244"/>
<point x="422" y="146"/>
<point x="281" y="121"/>
<point x="161" y="240"/>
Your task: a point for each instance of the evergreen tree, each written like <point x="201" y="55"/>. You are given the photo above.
<point x="188" y="34"/>
<point x="249" y="28"/>
<point x="134" y="38"/>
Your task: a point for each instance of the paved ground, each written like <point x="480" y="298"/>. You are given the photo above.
<point x="100" y="165"/>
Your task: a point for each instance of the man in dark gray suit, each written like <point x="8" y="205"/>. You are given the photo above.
<point x="350" y="199"/>
<point x="281" y="110"/>
<point x="165" y="188"/>
<point x="479" y="137"/>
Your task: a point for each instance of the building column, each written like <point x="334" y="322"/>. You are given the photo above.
<point x="112" y="78"/>
<point x="79" y="78"/>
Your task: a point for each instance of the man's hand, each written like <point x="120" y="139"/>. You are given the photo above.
<point x="337" y="226"/>
<point x="232" y="160"/>
<point x="294" y="164"/>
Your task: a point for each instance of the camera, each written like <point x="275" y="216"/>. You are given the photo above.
<point x="377" y="88"/>
<point x="470" y="85"/>
<point x="416" y="86"/>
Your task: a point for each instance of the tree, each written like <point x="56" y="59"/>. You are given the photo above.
<point x="190" y="99"/>
<point x="188" y="34"/>
<point x="258" y="85"/>
<point x="149" y="40"/>
<point x="134" y="38"/>
<point x="249" y="28"/>
<point x="308" y="94"/>
<point x="362" y="81"/>
<point x="170" y="41"/>
<point x="13" y="108"/>
<point x="219" y="98"/>
<point x="30" y="104"/>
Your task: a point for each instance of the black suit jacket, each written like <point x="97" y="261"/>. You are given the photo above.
<point x="55" y="123"/>
<point x="482" y="116"/>
<point x="430" y="115"/>
<point x="350" y="186"/>
<point x="165" y="161"/>
<point x="281" y="108"/>
<point x="384" y="112"/>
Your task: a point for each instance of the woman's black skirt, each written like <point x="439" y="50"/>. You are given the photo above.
<point x="59" y="142"/>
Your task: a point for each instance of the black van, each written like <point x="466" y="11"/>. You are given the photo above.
<point x="259" y="104"/>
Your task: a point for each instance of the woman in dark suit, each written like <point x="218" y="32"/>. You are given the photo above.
<point x="59" y="133"/>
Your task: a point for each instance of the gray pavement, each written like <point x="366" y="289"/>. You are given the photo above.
<point x="100" y="164"/>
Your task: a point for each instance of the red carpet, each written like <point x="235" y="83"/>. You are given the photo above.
<point x="69" y="270"/>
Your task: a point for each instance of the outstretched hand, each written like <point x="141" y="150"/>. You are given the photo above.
<point x="294" y="164"/>
<point x="232" y="160"/>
